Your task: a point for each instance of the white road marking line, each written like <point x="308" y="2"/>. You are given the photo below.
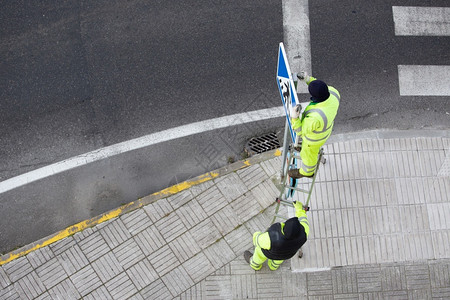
<point x="418" y="80"/>
<point x="424" y="21"/>
<point x="141" y="142"/>
<point x="297" y="41"/>
<point x="421" y="80"/>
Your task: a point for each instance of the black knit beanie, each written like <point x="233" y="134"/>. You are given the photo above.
<point x="318" y="90"/>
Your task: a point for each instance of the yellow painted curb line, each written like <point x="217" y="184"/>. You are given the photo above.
<point x="106" y="216"/>
<point x="186" y="184"/>
<point x="67" y="232"/>
<point x="4" y="259"/>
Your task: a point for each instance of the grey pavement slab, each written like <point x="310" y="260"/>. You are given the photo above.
<point x="378" y="219"/>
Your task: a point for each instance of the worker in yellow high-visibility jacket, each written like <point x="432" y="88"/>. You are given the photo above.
<point x="315" y="125"/>
<point x="280" y="242"/>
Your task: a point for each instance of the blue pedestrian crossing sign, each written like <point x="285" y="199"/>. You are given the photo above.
<point x="286" y="87"/>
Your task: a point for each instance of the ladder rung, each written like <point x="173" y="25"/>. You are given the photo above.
<point x="297" y="189"/>
<point x="285" y="202"/>
<point x="286" y="184"/>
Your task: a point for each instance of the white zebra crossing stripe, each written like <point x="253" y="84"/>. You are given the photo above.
<point x="421" y="21"/>
<point x="418" y="80"/>
<point x="421" y="80"/>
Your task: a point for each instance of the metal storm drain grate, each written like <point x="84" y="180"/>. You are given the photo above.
<point x="262" y="144"/>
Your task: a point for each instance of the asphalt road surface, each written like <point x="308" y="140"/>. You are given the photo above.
<point x="80" y="75"/>
<point x="354" y="46"/>
<point x="77" y="76"/>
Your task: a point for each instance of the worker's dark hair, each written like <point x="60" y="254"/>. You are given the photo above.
<point x="318" y="90"/>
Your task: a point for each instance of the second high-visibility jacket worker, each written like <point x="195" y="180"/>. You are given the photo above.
<point x="280" y="242"/>
<point x="315" y="125"/>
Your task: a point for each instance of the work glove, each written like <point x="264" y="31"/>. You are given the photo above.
<point x="295" y="111"/>
<point x="303" y="76"/>
<point x="299" y="206"/>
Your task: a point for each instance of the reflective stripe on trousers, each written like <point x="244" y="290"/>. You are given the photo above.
<point x="257" y="239"/>
<point x="274" y="264"/>
<point x="309" y="156"/>
<point x="259" y="258"/>
<point x="254" y="265"/>
<point x="307" y="168"/>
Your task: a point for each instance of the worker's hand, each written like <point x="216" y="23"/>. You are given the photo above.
<point x="303" y="76"/>
<point x="298" y="206"/>
<point x="295" y="111"/>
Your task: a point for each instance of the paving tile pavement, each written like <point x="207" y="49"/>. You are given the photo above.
<point x="379" y="230"/>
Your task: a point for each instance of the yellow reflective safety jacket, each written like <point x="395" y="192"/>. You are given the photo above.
<point x="316" y="122"/>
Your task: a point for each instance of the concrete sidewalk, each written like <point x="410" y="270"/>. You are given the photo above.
<point x="380" y="229"/>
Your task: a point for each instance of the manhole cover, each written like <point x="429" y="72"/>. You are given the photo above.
<point x="262" y="144"/>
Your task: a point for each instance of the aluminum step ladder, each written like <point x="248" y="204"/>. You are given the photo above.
<point x="289" y="185"/>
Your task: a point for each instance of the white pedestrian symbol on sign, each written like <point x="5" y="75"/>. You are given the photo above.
<point x="285" y="89"/>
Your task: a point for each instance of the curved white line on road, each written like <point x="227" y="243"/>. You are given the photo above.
<point x="141" y="142"/>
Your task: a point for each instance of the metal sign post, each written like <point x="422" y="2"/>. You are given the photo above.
<point x="285" y="150"/>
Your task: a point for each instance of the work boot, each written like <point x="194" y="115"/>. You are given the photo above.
<point x="247" y="256"/>
<point x="294" y="173"/>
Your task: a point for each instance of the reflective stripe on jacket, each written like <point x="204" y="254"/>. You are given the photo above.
<point x="317" y="120"/>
